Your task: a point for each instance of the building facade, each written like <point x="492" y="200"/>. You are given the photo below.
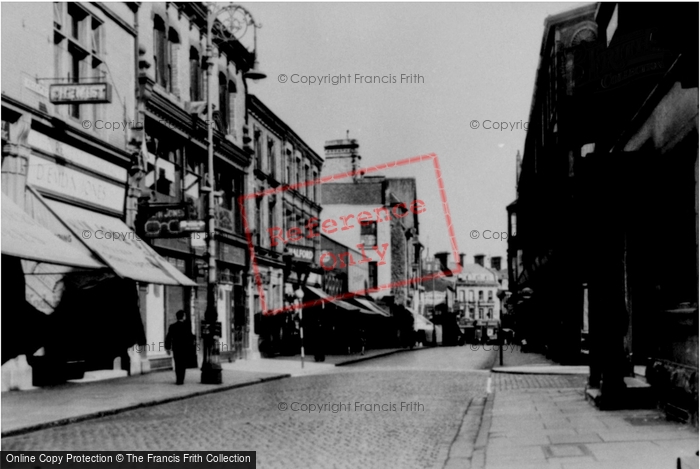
<point x="388" y="233"/>
<point x="287" y="166"/>
<point x="541" y="256"/>
<point x="68" y="162"/>
<point x="603" y="235"/>
<point x="173" y="92"/>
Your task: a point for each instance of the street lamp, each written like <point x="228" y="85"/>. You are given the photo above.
<point x="299" y="293"/>
<point x="234" y="21"/>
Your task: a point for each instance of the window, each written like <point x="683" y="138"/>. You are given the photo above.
<point x="223" y="104"/>
<point x="162" y="175"/>
<point x="481" y="313"/>
<point x="196" y="76"/>
<point x="490" y="313"/>
<point x="289" y="167"/>
<point x="271" y="216"/>
<point x="314" y="188"/>
<point x="490" y="296"/>
<point x="171" y="65"/>
<point x="471" y="295"/>
<point x="159" y="51"/>
<point x="231" y="105"/>
<point x="462" y="296"/>
<point x="193" y="175"/>
<point x="298" y="171"/>
<point x="271" y="157"/>
<point x="258" y="149"/>
<point x="258" y="222"/>
<point x="471" y="312"/>
<point x="78" y="47"/>
<point x="481" y="295"/>
<point x="513" y="225"/>
<point x="368" y="233"/>
<point x="238" y="191"/>
<point x="373" y="281"/>
<point x="307" y="188"/>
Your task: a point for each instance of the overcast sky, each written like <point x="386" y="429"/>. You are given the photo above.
<point x="478" y="63"/>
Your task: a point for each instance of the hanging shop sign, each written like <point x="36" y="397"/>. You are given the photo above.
<point x="301" y="253"/>
<point x="166" y="220"/>
<point x="80" y="93"/>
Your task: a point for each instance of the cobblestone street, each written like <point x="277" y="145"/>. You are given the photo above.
<point x="436" y="384"/>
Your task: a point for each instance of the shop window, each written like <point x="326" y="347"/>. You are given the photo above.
<point x="368" y="234"/>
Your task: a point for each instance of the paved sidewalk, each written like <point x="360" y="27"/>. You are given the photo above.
<point x="26" y="411"/>
<point x="558" y="428"/>
<point x="543" y="421"/>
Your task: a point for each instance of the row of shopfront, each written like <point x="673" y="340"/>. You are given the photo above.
<point x="83" y="291"/>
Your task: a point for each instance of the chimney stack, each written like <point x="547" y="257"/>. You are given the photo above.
<point x="442" y="257"/>
<point x="496" y="263"/>
<point x="342" y="156"/>
<point x="479" y="259"/>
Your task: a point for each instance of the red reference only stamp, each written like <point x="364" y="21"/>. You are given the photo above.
<point x="364" y="224"/>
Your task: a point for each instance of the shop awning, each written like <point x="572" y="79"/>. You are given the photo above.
<point x="25" y="238"/>
<point x="320" y="294"/>
<point x="117" y="245"/>
<point x="371" y="307"/>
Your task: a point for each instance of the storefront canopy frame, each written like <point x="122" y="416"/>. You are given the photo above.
<point x="24" y="237"/>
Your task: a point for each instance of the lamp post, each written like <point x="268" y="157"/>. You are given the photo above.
<point x="234" y="21"/>
<point x="299" y="293"/>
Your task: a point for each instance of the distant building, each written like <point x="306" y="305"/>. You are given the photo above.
<point x="389" y="235"/>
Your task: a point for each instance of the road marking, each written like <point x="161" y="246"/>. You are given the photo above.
<point x="488" y="386"/>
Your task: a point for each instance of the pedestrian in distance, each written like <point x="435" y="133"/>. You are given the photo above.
<point x="179" y="340"/>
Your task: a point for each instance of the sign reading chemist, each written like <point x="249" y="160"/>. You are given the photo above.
<point x="80" y="93"/>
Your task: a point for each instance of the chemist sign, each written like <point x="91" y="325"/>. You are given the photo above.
<point x="80" y="93"/>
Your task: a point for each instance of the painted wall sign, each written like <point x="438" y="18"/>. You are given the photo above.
<point x="62" y="180"/>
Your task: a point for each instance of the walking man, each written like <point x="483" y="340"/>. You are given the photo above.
<point x="179" y="340"/>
